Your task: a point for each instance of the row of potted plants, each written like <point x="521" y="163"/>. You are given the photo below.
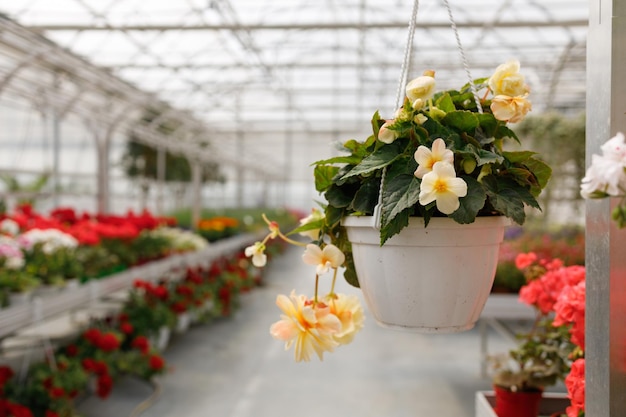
<point x="51" y="251"/>
<point x="128" y="342"/>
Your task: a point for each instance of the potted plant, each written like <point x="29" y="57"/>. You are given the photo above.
<point x="441" y="165"/>
<point x="553" y="350"/>
<point x="540" y="360"/>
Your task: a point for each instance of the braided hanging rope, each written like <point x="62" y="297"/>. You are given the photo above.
<point x="463" y="57"/>
<point x="406" y="61"/>
<point x="404" y="72"/>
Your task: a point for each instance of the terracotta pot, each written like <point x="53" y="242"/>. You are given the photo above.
<point x="433" y="279"/>
<point x="517" y="404"/>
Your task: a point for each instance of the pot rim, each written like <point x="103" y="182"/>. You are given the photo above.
<point x="481" y="222"/>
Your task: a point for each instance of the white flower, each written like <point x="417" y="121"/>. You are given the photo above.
<point x="329" y="257"/>
<point x="604" y="176"/>
<point x="10" y="227"/>
<point x="421" y="88"/>
<point x="257" y="252"/>
<point x="315" y="215"/>
<point x="426" y="158"/>
<point x="442" y="185"/>
<point x="615" y="149"/>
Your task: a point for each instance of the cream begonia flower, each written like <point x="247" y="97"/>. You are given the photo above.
<point x="348" y="310"/>
<point x="510" y="109"/>
<point x="329" y="257"/>
<point x="420" y="119"/>
<point x="442" y="185"/>
<point x="310" y="326"/>
<point x="421" y="88"/>
<point x="507" y="80"/>
<point x="386" y="135"/>
<point x="426" y="158"/>
<point x="257" y="252"/>
<point x="315" y="215"/>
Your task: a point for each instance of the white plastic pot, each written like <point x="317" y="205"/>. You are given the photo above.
<point x="432" y="280"/>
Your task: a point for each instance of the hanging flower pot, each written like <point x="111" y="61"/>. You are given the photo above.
<point x="517" y="404"/>
<point x="432" y="279"/>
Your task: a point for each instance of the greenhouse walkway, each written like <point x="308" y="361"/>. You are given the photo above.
<point x="232" y="367"/>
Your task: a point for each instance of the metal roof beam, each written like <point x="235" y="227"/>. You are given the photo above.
<point x="317" y="26"/>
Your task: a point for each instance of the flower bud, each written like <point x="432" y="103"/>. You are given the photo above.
<point x="469" y="164"/>
<point x="421" y="87"/>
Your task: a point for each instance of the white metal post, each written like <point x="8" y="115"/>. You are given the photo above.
<point x="605" y="349"/>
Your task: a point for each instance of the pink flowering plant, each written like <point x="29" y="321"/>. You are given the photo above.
<point x="606" y="176"/>
<point x="558" y="293"/>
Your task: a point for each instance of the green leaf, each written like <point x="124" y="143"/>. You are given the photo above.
<point x="333" y="215"/>
<point x="471" y="203"/>
<point x="375" y="126"/>
<point x="488" y="157"/>
<point x="542" y="171"/>
<point x="508" y="197"/>
<point x="394" y="227"/>
<point x="463" y="121"/>
<point x="353" y="160"/>
<point x="340" y="196"/>
<point x="377" y="160"/>
<point x="366" y="197"/>
<point x="324" y="177"/>
<point x="399" y="194"/>
<point x="317" y="224"/>
<point x="445" y="103"/>
<point x="518" y="157"/>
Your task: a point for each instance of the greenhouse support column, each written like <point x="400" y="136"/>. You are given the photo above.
<point x="56" y="144"/>
<point x="605" y="350"/>
<point x="196" y="178"/>
<point x="102" y="145"/>
<point x="160" y="180"/>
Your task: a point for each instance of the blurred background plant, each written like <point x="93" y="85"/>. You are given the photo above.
<point x="565" y="242"/>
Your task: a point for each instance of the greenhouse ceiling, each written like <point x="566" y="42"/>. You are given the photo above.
<point x="274" y="76"/>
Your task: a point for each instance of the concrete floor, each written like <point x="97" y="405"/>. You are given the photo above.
<point x="233" y="368"/>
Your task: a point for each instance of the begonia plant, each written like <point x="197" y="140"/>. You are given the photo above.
<point x="442" y="154"/>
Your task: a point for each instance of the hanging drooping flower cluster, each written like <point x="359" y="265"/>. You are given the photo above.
<point x="606" y="176"/>
<point x="321" y="323"/>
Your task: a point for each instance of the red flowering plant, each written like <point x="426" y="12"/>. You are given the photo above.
<point x="50" y="388"/>
<point x="559" y="293"/>
<point x="146" y="310"/>
<point x="544" y="354"/>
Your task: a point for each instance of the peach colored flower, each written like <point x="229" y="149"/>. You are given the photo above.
<point x="329" y="257"/>
<point x="510" y="109"/>
<point x="349" y="311"/>
<point x="311" y="327"/>
<point x="385" y="134"/>
<point x="507" y="80"/>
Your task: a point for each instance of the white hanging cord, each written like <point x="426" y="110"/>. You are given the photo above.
<point x="406" y="61"/>
<point x="463" y="57"/>
<point x="404" y="71"/>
